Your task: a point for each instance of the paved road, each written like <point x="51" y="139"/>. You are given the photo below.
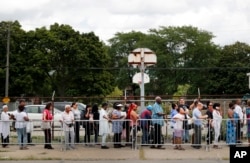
<point x="122" y="161"/>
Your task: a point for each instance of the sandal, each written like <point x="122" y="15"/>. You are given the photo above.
<point x="181" y="148"/>
<point x="176" y="148"/>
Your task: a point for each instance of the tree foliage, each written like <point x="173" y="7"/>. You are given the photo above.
<point x="229" y="75"/>
<point x="79" y="64"/>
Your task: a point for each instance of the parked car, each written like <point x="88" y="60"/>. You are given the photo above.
<point x="61" y="105"/>
<point x="35" y="114"/>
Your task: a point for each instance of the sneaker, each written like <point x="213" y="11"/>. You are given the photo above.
<point x="160" y="147"/>
<point x="104" y="147"/>
<point x="73" y="147"/>
<point x="25" y="148"/>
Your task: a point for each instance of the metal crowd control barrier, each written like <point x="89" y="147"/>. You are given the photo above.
<point x="231" y="132"/>
<point x="203" y="135"/>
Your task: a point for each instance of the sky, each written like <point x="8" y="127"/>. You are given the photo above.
<point x="227" y="20"/>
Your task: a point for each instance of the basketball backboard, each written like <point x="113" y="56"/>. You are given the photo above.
<point x="137" y="78"/>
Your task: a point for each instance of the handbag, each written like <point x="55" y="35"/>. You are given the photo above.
<point x="45" y="125"/>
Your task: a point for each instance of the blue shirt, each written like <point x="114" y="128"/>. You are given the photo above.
<point x="157" y="119"/>
<point x="117" y="123"/>
<point x="172" y="114"/>
<point x="196" y="115"/>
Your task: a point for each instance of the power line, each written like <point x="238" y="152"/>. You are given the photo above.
<point x="130" y="68"/>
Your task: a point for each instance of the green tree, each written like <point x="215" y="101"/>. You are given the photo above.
<point x="229" y="75"/>
<point x="17" y="84"/>
<point x="183" y="54"/>
<point x="121" y="45"/>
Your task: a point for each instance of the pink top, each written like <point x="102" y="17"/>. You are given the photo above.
<point x="48" y="114"/>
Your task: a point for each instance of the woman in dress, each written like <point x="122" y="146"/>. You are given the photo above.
<point x="117" y="125"/>
<point x="217" y="119"/>
<point x="5" y="126"/>
<point x="248" y="121"/>
<point x="231" y="125"/>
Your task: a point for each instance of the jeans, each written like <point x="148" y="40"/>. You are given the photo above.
<point x="21" y="133"/>
<point x="145" y="135"/>
<point x="185" y="137"/>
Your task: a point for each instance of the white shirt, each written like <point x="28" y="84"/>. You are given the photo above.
<point x="5" y="124"/>
<point x="67" y="118"/>
<point x="178" y="118"/>
<point x="238" y="110"/>
<point x="76" y="113"/>
<point x="104" y="124"/>
<point x="217" y="118"/>
<point x="20" y="122"/>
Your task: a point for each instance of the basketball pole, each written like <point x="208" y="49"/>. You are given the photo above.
<point x="142" y="90"/>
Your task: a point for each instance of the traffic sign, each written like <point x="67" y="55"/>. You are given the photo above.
<point x="6" y="100"/>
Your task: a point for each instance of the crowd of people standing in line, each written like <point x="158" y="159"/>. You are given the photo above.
<point x="126" y="122"/>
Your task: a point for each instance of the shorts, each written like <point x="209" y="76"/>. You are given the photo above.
<point x="178" y="133"/>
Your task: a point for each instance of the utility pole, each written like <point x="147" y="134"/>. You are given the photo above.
<point x="7" y="64"/>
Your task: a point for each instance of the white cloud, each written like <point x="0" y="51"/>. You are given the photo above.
<point x="228" y="20"/>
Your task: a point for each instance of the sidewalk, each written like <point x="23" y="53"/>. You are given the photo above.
<point x="95" y="153"/>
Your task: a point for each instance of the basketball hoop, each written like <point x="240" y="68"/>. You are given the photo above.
<point x="139" y="82"/>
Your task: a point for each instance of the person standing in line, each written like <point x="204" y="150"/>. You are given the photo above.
<point x="96" y="116"/>
<point x="231" y="125"/>
<point x="117" y="125"/>
<point x="172" y="114"/>
<point x="134" y="117"/>
<point x="21" y="118"/>
<point x="77" y="115"/>
<point x="145" y="123"/>
<point x="248" y="121"/>
<point x="126" y="123"/>
<point x="29" y="126"/>
<point x="47" y="117"/>
<point x="158" y="122"/>
<point x="5" y="126"/>
<point x="88" y="123"/>
<point x="217" y="119"/>
<point x="178" y="128"/>
<point x="104" y="125"/>
<point x="197" y="116"/>
<point x="239" y="123"/>
<point x="67" y="120"/>
<point x="182" y="104"/>
<point x="209" y="113"/>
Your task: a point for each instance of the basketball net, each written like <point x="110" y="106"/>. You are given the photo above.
<point x="139" y="83"/>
